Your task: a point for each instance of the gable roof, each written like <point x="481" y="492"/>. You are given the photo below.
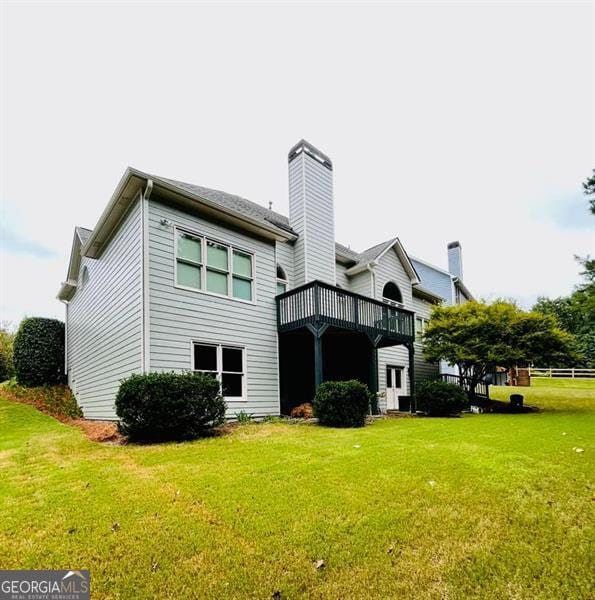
<point x="234" y="208"/>
<point x="371" y="256"/>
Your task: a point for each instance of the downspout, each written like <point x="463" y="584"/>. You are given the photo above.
<point x="145" y="322"/>
<point x="65" y="302"/>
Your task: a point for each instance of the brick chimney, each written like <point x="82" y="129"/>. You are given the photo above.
<point x="311" y="213"/>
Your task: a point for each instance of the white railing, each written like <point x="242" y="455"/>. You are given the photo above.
<point x="571" y="373"/>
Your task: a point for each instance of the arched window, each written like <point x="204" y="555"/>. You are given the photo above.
<point x="282" y="281"/>
<point x="392" y="294"/>
<point x="84" y="277"/>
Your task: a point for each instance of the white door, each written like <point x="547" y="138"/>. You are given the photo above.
<point x="395" y="387"/>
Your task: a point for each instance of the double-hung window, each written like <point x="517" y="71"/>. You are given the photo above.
<point x="420" y="327"/>
<point x="189" y="260"/>
<point x="226" y="364"/>
<point x="213" y="267"/>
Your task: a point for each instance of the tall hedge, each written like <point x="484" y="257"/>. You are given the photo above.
<point x="38" y="352"/>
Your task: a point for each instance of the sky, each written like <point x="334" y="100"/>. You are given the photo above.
<point x="445" y="121"/>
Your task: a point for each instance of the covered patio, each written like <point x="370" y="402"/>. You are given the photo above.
<point x="327" y="333"/>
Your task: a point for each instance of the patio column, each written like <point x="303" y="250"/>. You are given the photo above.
<point x="318" y="373"/>
<point x="317" y="332"/>
<point x="374" y="379"/>
<point x="411" y="350"/>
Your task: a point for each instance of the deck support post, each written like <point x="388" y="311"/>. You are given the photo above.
<point x="317" y="332"/>
<point x="374" y="379"/>
<point x="411" y="350"/>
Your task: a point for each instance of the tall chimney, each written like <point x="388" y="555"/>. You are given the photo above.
<point x="311" y="213"/>
<point x="455" y="259"/>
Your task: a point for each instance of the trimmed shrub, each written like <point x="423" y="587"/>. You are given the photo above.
<point x="440" y="399"/>
<point x="38" y="352"/>
<point x="169" y="406"/>
<point x="342" y="403"/>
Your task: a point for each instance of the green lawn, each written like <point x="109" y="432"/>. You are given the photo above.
<point x="490" y="506"/>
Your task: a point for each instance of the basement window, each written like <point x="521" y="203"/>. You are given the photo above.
<point x="224" y="363"/>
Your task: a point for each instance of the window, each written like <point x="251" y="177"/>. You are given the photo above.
<point x="226" y="364"/>
<point x="189" y="261"/>
<point x="281" y="280"/>
<point x="227" y="271"/>
<point x="392" y="294"/>
<point x="420" y="327"/>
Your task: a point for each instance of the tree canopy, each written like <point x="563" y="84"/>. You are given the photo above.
<point x="576" y="314"/>
<point x="589" y="190"/>
<point x="478" y="337"/>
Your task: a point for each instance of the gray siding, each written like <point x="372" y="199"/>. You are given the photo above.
<point x="435" y="280"/>
<point x="362" y="283"/>
<point x="178" y="316"/>
<point x="388" y="269"/>
<point x="104" y="322"/>
<point x="311" y="215"/>
<point x="423" y="370"/>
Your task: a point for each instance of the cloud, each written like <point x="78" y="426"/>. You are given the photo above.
<point x="568" y="211"/>
<point x="14" y="243"/>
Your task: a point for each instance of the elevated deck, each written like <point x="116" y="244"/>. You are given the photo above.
<point x="318" y="304"/>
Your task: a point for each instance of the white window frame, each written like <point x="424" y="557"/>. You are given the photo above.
<point x="285" y="281"/>
<point x="390" y="301"/>
<point x="219" y="372"/>
<point x="204" y="239"/>
<point x="424" y="324"/>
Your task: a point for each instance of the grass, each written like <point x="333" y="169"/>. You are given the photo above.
<point x="485" y="506"/>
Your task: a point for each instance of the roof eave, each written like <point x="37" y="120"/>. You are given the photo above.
<point x="426" y="294"/>
<point x="127" y="190"/>
<point x="459" y="282"/>
<point x="270" y="231"/>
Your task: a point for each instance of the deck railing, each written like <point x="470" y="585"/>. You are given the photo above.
<point x="319" y="303"/>
<point x="482" y="389"/>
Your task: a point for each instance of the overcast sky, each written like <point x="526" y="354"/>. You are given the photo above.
<point x="445" y="121"/>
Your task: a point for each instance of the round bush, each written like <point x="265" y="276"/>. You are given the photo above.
<point x="169" y="406"/>
<point x="38" y="353"/>
<point x="342" y="403"/>
<point x="440" y="399"/>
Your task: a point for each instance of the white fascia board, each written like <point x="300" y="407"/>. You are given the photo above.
<point x="133" y="180"/>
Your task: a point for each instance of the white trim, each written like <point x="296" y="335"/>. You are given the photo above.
<point x="145" y="287"/>
<point x="203" y="265"/>
<point x="219" y="372"/>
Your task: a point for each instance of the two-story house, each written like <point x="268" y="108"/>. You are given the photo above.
<point x="178" y="277"/>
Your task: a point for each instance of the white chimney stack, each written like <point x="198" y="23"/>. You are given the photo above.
<point x="311" y="213"/>
<point x="455" y="259"/>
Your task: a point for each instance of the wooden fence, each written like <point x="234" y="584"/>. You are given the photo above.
<point x="569" y="373"/>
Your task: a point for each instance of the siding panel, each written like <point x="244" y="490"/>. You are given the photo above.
<point x="178" y="316"/>
<point x="104" y="322"/>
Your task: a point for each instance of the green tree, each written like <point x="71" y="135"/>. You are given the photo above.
<point x="6" y="344"/>
<point x="576" y="315"/>
<point x="589" y="190"/>
<point x="477" y="337"/>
